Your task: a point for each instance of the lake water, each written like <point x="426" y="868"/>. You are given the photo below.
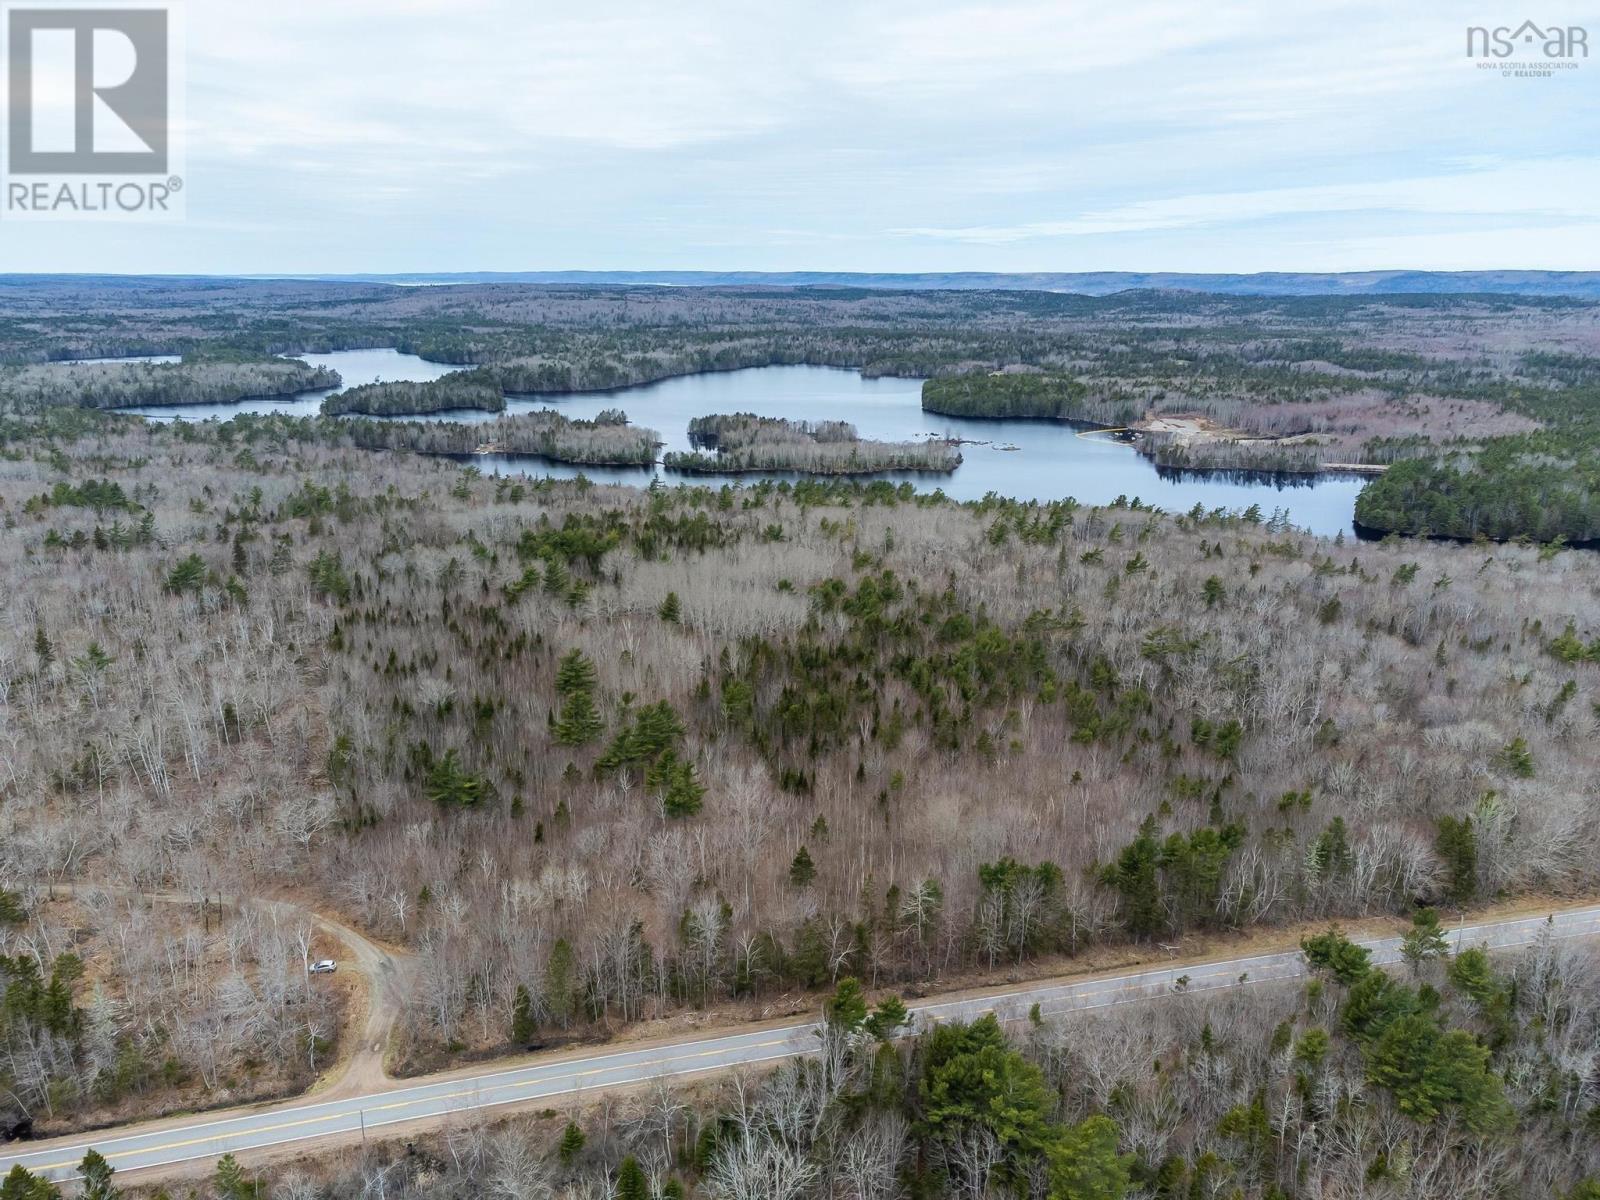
<point x="355" y="367"/>
<point x="127" y="358"/>
<point x="1043" y="460"/>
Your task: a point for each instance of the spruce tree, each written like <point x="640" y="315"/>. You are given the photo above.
<point x="579" y="722"/>
<point x="43" y="648"/>
<point x="632" y="1183"/>
<point x="575" y="674"/>
<point x="571" y="1144"/>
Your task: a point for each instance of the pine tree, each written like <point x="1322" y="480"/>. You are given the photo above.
<point x="888" y="1018"/>
<point x="846" y="1009"/>
<point x="451" y="786"/>
<point x="230" y="1181"/>
<point x="671" y="610"/>
<point x="1425" y="940"/>
<point x="97" y="1172"/>
<point x="802" y="870"/>
<point x="187" y="576"/>
<point x="1085" y="1165"/>
<point x="22" y="1184"/>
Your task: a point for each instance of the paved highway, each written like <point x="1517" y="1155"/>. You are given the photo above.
<point x="134" y="1148"/>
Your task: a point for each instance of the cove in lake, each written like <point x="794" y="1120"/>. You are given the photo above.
<point x="1028" y="460"/>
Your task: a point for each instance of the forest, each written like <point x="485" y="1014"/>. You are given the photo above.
<point x="125" y="385"/>
<point x="1027" y="396"/>
<point x="594" y="759"/>
<point x="452" y="392"/>
<point x="595" y="755"/>
<point x="608" y="440"/>
<point x="742" y="442"/>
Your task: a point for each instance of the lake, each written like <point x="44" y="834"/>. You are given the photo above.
<point x="1041" y="460"/>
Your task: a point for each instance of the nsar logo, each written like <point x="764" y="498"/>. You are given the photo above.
<point x="1528" y="50"/>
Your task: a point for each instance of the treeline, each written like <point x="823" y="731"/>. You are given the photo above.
<point x="125" y="385"/>
<point x="404" y="398"/>
<point x="1171" y="450"/>
<point x="1045" y="397"/>
<point x="746" y="442"/>
<point x="1509" y="489"/>
<point x="608" y="440"/>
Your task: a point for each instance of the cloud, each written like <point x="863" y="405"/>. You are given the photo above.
<point x="1555" y="191"/>
<point x="1024" y="134"/>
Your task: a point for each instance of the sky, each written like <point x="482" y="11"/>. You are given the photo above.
<point x="443" y="135"/>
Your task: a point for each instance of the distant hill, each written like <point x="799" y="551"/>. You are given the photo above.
<point x="1583" y="284"/>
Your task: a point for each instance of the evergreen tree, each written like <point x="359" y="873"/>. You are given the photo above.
<point x="22" y="1184"/>
<point x="579" y="722"/>
<point x="188" y="576"/>
<point x="632" y="1182"/>
<point x="575" y="674"/>
<point x="1457" y="844"/>
<point x="97" y="1173"/>
<point x="1471" y="972"/>
<point x="681" y="792"/>
<point x="452" y="786"/>
<point x="1135" y="877"/>
<point x="802" y="870"/>
<point x="1085" y="1165"/>
<point x="43" y="649"/>
<point x="846" y="1009"/>
<point x="1429" y="1070"/>
<point x="561" y="982"/>
<point x="1425" y="940"/>
<point x="1334" y="952"/>
<point x="524" y="1025"/>
<point x="571" y="1144"/>
<point x="230" y="1181"/>
<point x="972" y="1078"/>
<point x="888" y="1018"/>
<point x="1516" y="759"/>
